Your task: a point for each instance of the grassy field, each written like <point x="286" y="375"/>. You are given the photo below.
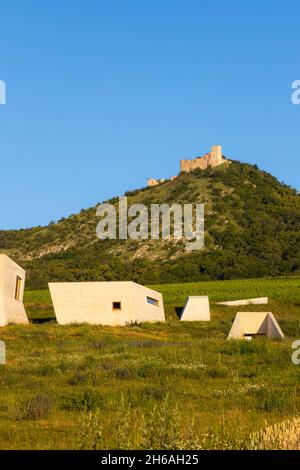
<point x="171" y="385"/>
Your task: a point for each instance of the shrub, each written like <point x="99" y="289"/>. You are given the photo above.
<point x="123" y="374"/>
<point x="38" y="407"/>
<point x="277" y="400"/>
<point x="151" y="368"/>
<point x="99" y="345"/>
<point x="84" y="401"/>
<point x="46" y="370"/>
<point x="79" y="378"/>
<point x="90" y="431"/>
<point x="218" y="372"/>
<point x="107" y="364"/>
<point x="156" y="392"/>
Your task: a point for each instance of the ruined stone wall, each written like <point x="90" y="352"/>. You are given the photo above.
<point x="154" y="182"/>
<point x="212" y="159"/>
<point x="200" y="162"/>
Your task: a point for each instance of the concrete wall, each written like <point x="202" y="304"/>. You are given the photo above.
<point x="92" y="302"/>
<point x="273" y="328"/>
<point x="238" y="303"/>
<point x="11" y="309"/>
<point x="196" y="309"/>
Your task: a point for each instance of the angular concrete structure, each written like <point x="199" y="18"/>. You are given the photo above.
<point x="247" y="325"/>
<point x="196" y="309"/>
<point x="105" y="303"/>
<point x="239" y="303"/>
<point x="12" y="282"/>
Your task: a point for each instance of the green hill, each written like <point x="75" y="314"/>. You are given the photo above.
<point x="252" y="229"/>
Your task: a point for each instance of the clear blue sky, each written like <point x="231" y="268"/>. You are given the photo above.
<point x="103" y="94"/>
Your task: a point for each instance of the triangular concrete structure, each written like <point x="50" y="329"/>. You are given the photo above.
<point x="196" y="309"/>
<point x="250" y="324"/>
<point x="12" y="282"/>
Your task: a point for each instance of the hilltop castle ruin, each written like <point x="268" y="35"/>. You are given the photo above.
<point x="212" y="159"/>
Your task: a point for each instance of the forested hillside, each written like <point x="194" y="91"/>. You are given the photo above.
<point x="252" y="229"/>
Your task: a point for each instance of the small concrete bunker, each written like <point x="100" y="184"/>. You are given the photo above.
<point x="196" y="309"/>
<point x="247" y="325"/>
<point x="12" y="282"/>
<point x="105" y="303"/>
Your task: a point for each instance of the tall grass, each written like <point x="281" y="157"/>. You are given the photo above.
<point x="169" y="385"/>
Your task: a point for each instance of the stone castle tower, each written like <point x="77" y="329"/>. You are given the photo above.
<point x="209" y="160"/>
<point x="212" y="159"/>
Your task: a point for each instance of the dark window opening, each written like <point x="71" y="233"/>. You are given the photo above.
<point x="18" y="288"/>
<point x="254" y="335"/>
<point x="116" y="305"/>
<point x="152" y="301"/>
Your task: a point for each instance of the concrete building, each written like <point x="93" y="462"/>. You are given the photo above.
<point x="12" y="282"/>
<point x="105" y="303"/>
<point x="239" y="303"/>
<point x="212" y="159"/>
<point x="196" y="309"/>
<point x="247" y="325"/>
